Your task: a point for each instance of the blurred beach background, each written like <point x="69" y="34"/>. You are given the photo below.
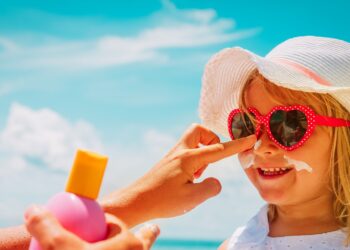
<point x="123" y="78"/>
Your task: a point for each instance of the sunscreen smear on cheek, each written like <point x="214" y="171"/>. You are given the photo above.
<point x="299" y="165"/>
<point x="246" y="159"/>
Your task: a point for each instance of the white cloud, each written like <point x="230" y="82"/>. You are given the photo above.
<point x="158" y="143"/>
<point x="42" y="137"/>
<point x="171" y="28"/>
<point x="127" y="163"/>
<point x="7" y="45"/>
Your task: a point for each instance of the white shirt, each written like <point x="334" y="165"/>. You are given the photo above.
<point x="254" y="235"/>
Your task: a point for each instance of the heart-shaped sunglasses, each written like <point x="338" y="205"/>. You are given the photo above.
<point x="287" y="126"/>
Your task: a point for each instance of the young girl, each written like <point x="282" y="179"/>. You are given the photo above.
<point x="297" y="102"/>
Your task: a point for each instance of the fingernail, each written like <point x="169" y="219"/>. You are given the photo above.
<point x="32" y="210"/>
<point x="154" y="228"/>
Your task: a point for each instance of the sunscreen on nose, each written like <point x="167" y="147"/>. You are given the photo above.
<point x="257" y="144"/>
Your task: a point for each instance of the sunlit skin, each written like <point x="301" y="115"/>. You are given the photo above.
<point x="304" y="203"/>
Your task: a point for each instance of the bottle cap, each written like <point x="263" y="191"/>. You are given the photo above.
<point x="86" y="174"/>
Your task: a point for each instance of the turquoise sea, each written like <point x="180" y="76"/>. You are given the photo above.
<point x="178" y="244"/>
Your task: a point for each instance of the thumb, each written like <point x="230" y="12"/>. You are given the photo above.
<point x="206" y="189"/>
<point x="45" y="228"/>
<point x="148" y="235"/>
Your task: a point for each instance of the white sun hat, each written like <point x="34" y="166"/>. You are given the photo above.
<point x="308" y="63"/>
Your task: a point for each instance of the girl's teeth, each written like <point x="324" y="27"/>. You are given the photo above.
<point x="274" y="171"/>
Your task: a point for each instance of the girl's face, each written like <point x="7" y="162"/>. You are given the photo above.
<point x="294" y="187"/>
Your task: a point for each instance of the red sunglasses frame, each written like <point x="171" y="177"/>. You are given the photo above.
<point x="312" y="121"/>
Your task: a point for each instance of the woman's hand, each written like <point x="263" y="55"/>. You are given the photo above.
<point x="168" y="189"/>
<point x="51" y="235"/>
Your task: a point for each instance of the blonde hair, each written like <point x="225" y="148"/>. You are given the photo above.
<point x="339" y="171"/>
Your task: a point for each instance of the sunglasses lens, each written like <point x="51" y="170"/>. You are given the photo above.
<point x="242" y="126"/>
<point x="288" y="127"/>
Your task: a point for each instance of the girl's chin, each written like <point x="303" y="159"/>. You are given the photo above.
<point x="273" y="196"/>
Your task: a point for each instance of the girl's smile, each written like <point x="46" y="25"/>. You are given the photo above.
<point x="273" y="171"/>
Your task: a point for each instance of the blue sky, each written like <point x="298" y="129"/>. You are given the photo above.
<point x="123" y="78"/>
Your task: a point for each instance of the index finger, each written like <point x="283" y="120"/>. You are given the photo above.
<point x="216" y="152"/>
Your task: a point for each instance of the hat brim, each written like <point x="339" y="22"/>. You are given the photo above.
<point x="227" y="72"/>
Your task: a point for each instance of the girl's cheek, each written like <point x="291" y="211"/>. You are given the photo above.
<point x="252" y="176"/>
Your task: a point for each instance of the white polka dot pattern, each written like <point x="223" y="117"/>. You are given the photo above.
<point x="311" y="117"/>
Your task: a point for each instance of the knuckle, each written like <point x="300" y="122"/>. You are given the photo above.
<point x="219" y="147"/>
<point x="185" y="162"/>
<point x="217" y="138"/>
<point x="186" y="154"/>
<point x="216" y="148"/>
<point x="183" y="155"/>
<point x="191" y="158"/>
<point x="36" y="218"/>
<point x="195" y="127"/>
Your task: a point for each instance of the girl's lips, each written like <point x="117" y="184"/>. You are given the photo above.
<point x="267" y="174"/>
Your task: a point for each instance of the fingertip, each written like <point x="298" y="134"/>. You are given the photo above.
<point x="214" y="184"/>
<point x="148" y="234"/>
<point x="251" y="139"/>
<point x="155" y="229"/>
<point x="148" y="227"/>
<point x="217" y="184"/>
<point x="36" y="221"/>
<point x="33" y="210"/>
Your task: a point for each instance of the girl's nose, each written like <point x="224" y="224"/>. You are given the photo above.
<point x="265" y="147"/>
